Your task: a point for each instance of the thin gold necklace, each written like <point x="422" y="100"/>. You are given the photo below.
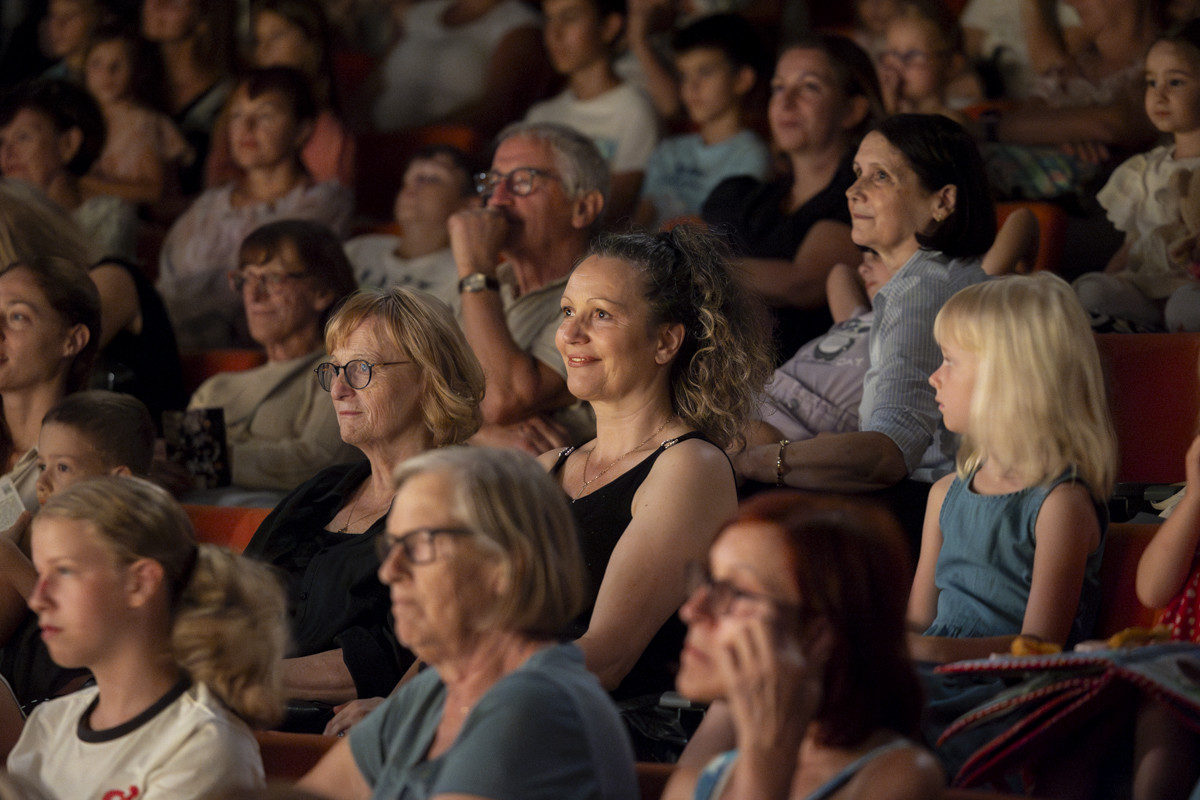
<point x="588" y="458"/>
<point x="350" y="517"/>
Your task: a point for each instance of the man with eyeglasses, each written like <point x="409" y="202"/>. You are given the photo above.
<point x="544" y="194"/>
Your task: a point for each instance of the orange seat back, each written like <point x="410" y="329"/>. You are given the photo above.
<point x="229" y="526"/>
<point x="200" y="365"/>
<point x="1119" y="605"/>
<point x="1155" y="397"/>
<point x="1052" y="230"/>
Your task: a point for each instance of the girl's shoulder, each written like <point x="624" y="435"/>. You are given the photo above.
<point x="901" y="771"/>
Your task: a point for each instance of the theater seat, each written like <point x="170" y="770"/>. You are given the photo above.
<point x="288" y="757"/>
<point x="229" y="526"/>
<point x="1155" y="398"/>
<point x="1119" y="605"/>
<point x="199" y="365"/>
<point x="1052" y="230"/>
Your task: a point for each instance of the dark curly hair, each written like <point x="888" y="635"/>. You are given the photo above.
<point x="725" y="359"/>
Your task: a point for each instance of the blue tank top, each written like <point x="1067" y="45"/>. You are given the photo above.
<point x="985" y="567"/>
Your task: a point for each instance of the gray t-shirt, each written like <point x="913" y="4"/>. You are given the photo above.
<point x="545" y="730"/>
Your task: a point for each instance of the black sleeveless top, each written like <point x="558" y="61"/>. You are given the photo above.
<point x="602" y="518"/>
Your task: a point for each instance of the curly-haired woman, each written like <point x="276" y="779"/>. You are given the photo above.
<point x="672" y="355"/>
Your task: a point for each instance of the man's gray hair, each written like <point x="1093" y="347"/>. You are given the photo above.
<point x="580" y="164"/>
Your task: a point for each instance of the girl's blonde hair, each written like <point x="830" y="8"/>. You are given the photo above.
<point x="229" y="613"/>
<point x="1039" y="408"/>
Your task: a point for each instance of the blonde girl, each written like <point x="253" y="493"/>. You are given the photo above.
<point x="922" y="69"/>
<point x="184" y="643"/>
<point x="1012" y="541"/>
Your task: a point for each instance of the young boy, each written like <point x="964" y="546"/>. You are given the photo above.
<point x="85" y="435"/>
<point x="438" y="182"/>
<point x="718" y="61"/>
<point x="620" y="119"/>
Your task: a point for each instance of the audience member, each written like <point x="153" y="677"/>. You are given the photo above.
<point x="475" y="63"/>
<point x="51" y="132"/>
<point x="484" y="568"/>
<point x="921" y="202"/>
<point x="994" y="34"/>
<point x="438" y="182"/>
<point x="183" y="641"/>
<point x="796" y="622"/>
<point x="871" y="18"/>
<point x="1151" y="281"/>
<point x="51" y="334"/>
<point x="544" y="194"/>
<point x="66" y="28"/>
<point x="84" y="435"/>
<point x="923" y="70"/>
<point x="403" y="380"/>
<point x="718" y="62"/>
<point x="279" y="425"/>
<point x="580" y="35"/>
<point x="296" y="33"/>
<point x="143" y="150"/>
<point x="792" y="230"/>
<point x="1012" y="543"/>
<point x="271" y="116"/>
<point x="196" y="40"/>
<point x="671" y="353"/>
<point x="137" y="346"/>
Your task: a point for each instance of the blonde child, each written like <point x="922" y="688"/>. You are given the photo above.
<point x="1147" y="281"/>
<point x="143" y="148"/>
<point x="922" y="68"/>
<point x="1012" y="542"/>
<point x="184" y="642"/>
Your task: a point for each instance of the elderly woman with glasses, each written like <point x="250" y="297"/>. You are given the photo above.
<point x="485" y="572"/>
<point x="402" y="380"/>
<point x="796" y="625"/>
<point x="279" y="423"/>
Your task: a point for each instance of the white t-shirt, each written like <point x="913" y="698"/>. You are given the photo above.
<point x="376" y="264"/>
<point x="184" y="747"/>
<point x="435" y="70"/>
<point x="621" y="122"/>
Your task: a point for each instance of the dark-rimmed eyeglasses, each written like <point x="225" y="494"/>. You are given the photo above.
<point x="719" y="597"/>
<point x="417" y="545"/>
<point x="271" y="281"/>
<point x="520" y="182"/>
<point x="357" y="372"/>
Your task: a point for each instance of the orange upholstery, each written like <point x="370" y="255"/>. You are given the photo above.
<point x="381" y="158"/>
<point x="230" y="526"/>
<point x="289" y="756"/>
<point x="1119" y="605"/>
<point x="1052" y="230"/>
<point x="1155" y="398"/>
<point x="198" y="365"/>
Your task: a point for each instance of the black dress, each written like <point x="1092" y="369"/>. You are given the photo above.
<point x="335" y="598"/>
<point x="750" y="212"/>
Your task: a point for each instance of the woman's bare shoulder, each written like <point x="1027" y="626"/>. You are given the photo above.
<point x="907" y="772"/>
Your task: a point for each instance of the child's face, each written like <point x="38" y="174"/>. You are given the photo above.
<point x="80" y="592"/>
<point x="709" y="85"/>
<point x="576" y="37"/>
<point x="432" y="190"/>
<point x="108" y="71"/>
<point x="65" y="457"/>
<point x="954" y="381"/>
<point x="68" y="24"/>
<point x="280" y="43"/>
<point x="168" y="20"/>
<point x="1173" y="88"/>
<point x="875" y="273"/>
<point x="916" y="53"/>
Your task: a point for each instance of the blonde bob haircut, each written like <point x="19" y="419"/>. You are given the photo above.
<point x="229" y="614"/>
<point x="423" y="329"/>
<point x="513" y="505"/>
<point x="1039" y="408"/>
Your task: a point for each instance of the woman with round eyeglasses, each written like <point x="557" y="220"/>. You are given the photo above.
<point x="402" y="380"/>
<point x="485" y="571"/>
<point x="796" y="635"/>
<point x="279" y="423"/>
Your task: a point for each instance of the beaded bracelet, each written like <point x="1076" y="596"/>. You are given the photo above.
<point x="783" y="443"/>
